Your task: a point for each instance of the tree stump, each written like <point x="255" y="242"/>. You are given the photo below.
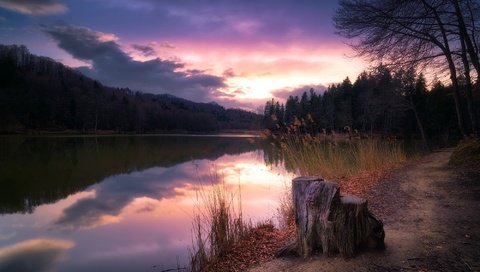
<point x="328" y="222"/>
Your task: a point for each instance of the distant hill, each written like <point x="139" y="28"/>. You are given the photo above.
<point x="40" y="94"/>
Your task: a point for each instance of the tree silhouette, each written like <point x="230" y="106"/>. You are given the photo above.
<point x="417" y="33"/>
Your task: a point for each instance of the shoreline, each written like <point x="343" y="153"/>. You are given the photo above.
<point x="261" y="247"/>
<point x="225" y="133"/>
<point x="418" y="204"/>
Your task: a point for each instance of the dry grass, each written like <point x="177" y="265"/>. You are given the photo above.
<point x="285" y="212"/>
<point x="224" y="242"/>
<point x="357" y="164"/>
<point x="467" y="154"/>
<point x="217" y="225"/>
<point x="315" y="156"/>
<point x="259" y="245"/>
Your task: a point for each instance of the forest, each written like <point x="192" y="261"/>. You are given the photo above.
<point x="425" y="80"/>
<point x="378" y="102"/>
<point x="40" y="94"/>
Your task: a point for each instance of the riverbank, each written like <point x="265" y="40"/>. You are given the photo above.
<point x="246" y="133"/>
<point x="430" y="212"/>
<point x="264" y="241"/>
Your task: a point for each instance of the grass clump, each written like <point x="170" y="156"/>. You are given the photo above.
<point x="222" y="240"/>
<point x="467" y="154"/>
<point x="217" y="225"/>
<point x="311" y="155"/>
<point x="356" y="163"/>
<point x="285" y="212"/>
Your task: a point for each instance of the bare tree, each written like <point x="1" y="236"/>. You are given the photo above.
<point x="469" y="49"/>
<point x="410" y="33"/>
<point x="408" y="85"/>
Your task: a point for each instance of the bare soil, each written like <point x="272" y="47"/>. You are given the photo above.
<point x="431" y="215"/>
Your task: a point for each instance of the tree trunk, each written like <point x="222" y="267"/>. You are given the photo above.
<point x="329" y="223"/>
<point x="419" y="124"/>
<point x="456" y="99"/>
<point x="96" y="121"/>
<point x="313" y="199"/>
<point x="465" y="37"/>
<point x="469" y="86"/>
<point x="445" y="47"/>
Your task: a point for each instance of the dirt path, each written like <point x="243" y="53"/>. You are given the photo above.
<point x="432" y="223"/>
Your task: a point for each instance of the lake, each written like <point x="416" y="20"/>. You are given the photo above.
<point x="122" y="203"/>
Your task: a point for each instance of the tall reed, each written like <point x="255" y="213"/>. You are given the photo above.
<point x="217" y="225"/>
<point x="285" y="212"/>
<point x="330" y="158"/>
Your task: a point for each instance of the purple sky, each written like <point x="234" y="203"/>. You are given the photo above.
<point x="239" y="53"/>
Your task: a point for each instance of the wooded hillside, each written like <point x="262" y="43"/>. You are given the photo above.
<point x="38" y="93"/>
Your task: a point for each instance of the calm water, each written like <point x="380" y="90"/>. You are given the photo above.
<point x="120" y="203"/>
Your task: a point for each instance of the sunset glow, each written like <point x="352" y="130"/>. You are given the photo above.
<point x="238" y="54"/>
<point x="254" y="73"/>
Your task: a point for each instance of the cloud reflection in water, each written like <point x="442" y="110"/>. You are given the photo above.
<point x="117" y="192"/>
<point x="33" y="255"/>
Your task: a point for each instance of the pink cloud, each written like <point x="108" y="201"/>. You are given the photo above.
<point x="34" y="7"/>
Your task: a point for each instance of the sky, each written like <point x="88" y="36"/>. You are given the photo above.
<point x="238" y="53"/>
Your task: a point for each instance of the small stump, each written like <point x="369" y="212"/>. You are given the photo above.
<point x="328" y="222"/>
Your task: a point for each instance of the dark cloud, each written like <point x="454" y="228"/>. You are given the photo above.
<point x="222" y="94"/>
<point x="229" y="73"/>
<point x="33" y="255"/>
<point x="167" y="45"/>
<point x="112" y="66"/>
<point x="114" y="194"/>
<point x="257" y="20"/>
<point x="146" y="208"/>
<point x="298" y="91"/>
<point x="195" y="71"/>
<point x="232" y="21"/>
<point x="34" y="7"/>
<point x="146" y="50"/>
<point x="252" y="105"/>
